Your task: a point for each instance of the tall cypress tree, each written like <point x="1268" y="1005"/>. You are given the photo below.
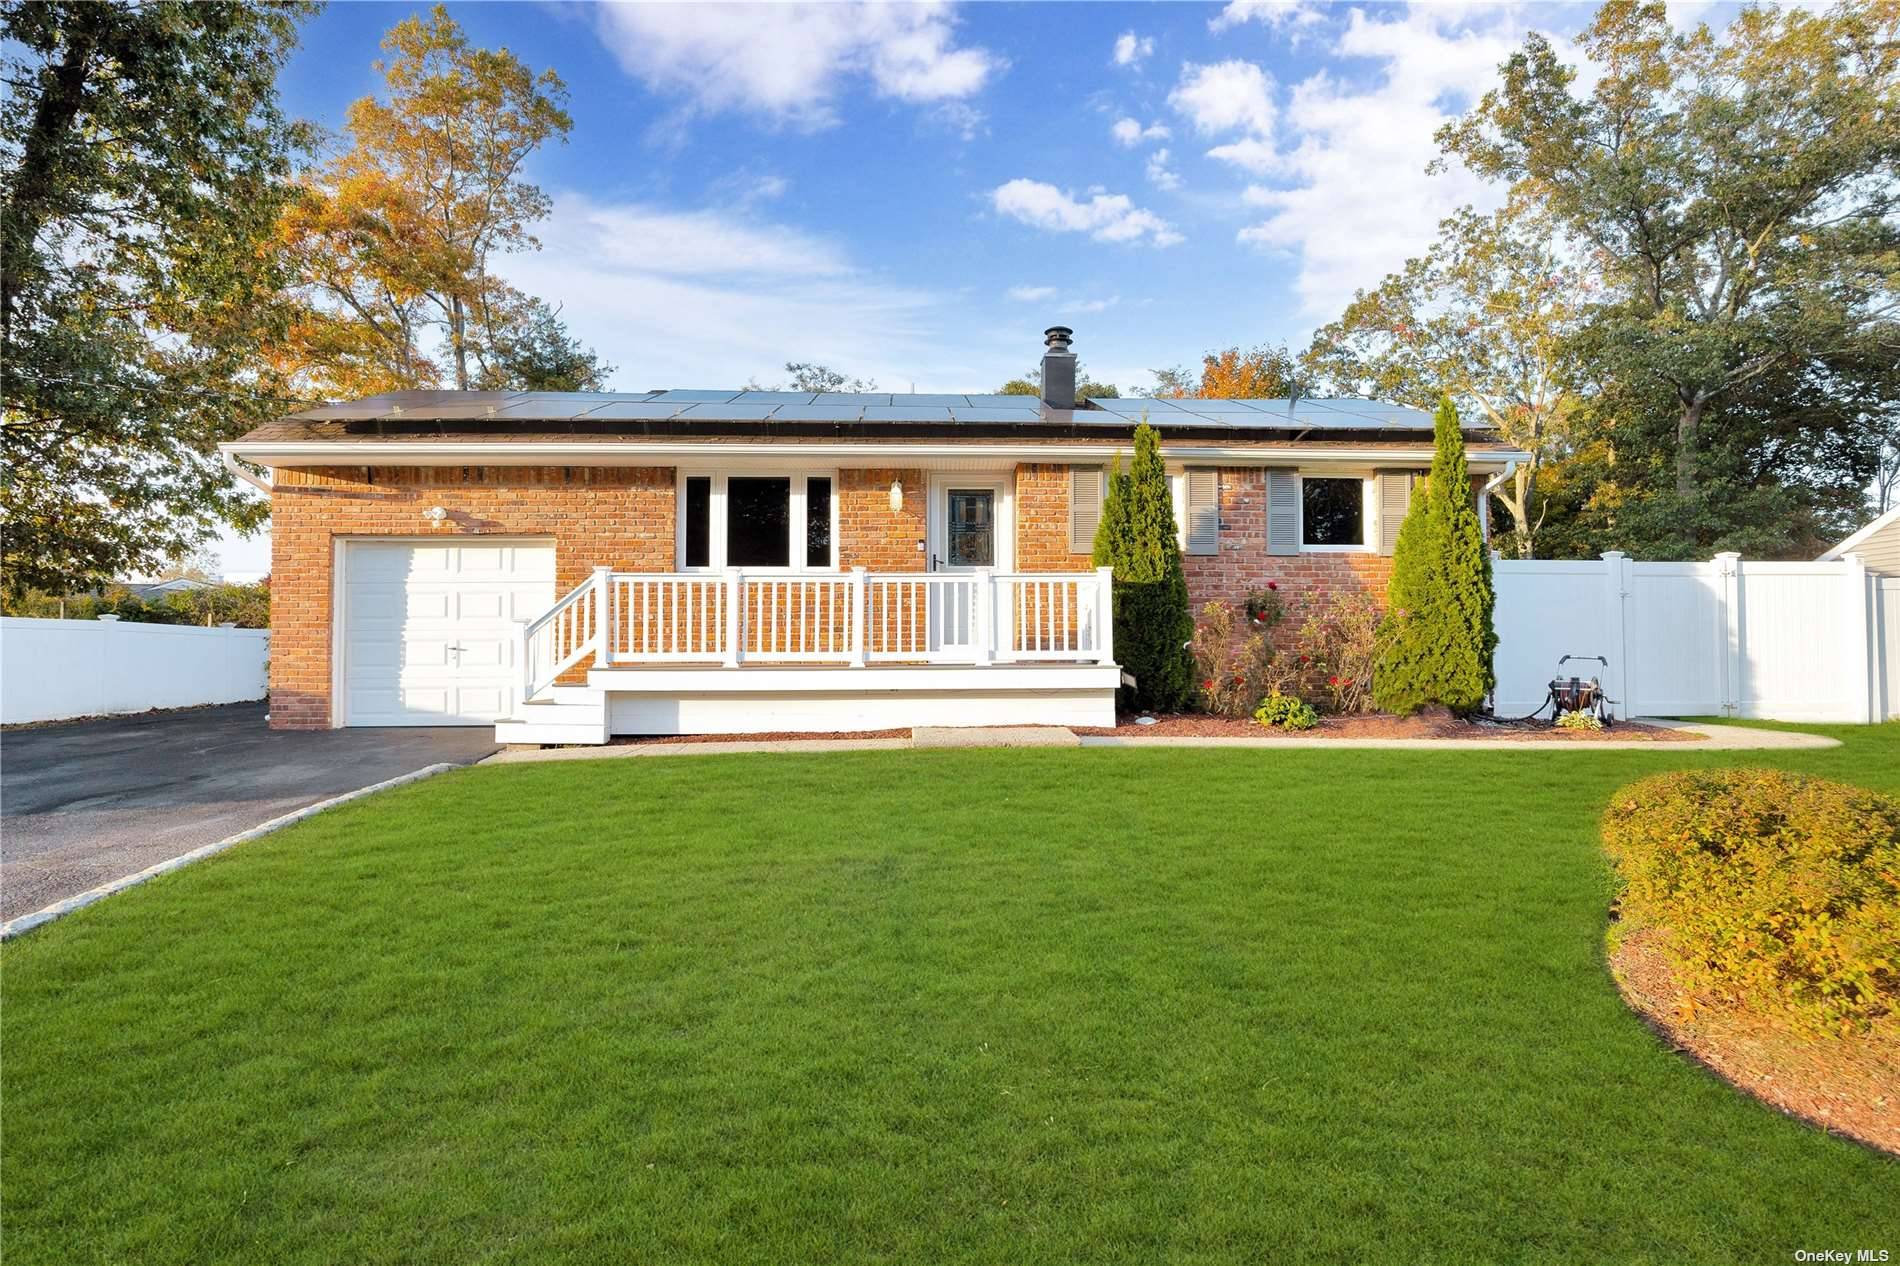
<point x="1153" y="621"/>
<point x="1439" y="637"/>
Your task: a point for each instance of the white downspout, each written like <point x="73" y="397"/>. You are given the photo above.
<point x="1484" y="496"/>
<point x="237" y="468"/>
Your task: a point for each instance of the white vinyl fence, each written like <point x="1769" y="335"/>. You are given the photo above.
<point x="53" y="669"/>
<point x="1779" y="641"/>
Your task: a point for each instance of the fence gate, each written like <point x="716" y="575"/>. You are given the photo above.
<point x="1790" y="641"/>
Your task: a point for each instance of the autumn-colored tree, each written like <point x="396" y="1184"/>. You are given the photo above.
<point x="1485" y="314"/>
<point x="1262" y="373"/>
<point x="394" y="238"/>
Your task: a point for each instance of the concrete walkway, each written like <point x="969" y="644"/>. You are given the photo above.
<point x="1716" y="738"/>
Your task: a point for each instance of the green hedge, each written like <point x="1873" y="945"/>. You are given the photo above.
<point x="1777" y="892"/>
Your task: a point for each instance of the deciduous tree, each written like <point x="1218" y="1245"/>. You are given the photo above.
<point x="1263" y="373"/>
<point x="143" y="158"/>
<point x="1737" y="196"/>
<point x="1485" y="314"/>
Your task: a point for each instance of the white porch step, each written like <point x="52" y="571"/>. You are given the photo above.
<point x="566" y="714"/>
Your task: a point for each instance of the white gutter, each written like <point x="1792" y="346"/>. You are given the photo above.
<point x="229" y="454"/>
<point x="566" y="452"/>
<point x="1491" y="486"/>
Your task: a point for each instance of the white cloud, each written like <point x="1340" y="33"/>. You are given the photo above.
<point x="713" y="297"/>
<point x="1106" y="217"/>
<point x="1351" y="200"/>
<point x="1031" y="294"/>
<point x="1129" y="132"/>
<point x="1159" y="173"/>
<point x="1092" y="305"/>
<point x="1131" y="49"/>
<point x="1249" y="153"/>
<point x="790" y="61"/>
<point x="1225" y="97"/>
<point x="1278" y="14"/>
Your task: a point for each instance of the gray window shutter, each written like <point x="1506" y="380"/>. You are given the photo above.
<point x="1283" y="512"/>
<point x="1203" y="511"/>
<point x="1395" y="498"/>
<point x="1085" y="507"/>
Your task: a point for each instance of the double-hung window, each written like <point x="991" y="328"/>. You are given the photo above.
<point x="778" y="522"/>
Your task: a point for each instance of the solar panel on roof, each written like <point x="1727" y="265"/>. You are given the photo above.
<point x="905" y="413"/>
<point x="1000" y="401"/>
<point x="544" y="410"/>
<point x="716" y="412"/>
<point x="859" y="398"/>
<point x="631" y="411"/>
<point x="774" y="397"/>
<point x="899" y="399"/>
<point x="691" y="397"/>
<point x="982" y="414"/>
<point x="819" y="413"/>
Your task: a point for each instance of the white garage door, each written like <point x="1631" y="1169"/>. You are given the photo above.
<point x="429" y="629"/>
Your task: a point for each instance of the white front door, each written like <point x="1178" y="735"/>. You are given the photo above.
<point x="970" y="530"/>
<point x="429" y="628"/>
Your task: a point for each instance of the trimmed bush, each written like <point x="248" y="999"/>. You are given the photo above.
<point x="1288" y="712"/>
<point x="1438" y="637"/>
<point x="1775" y="891"/>
<point x="1153" y="620"/>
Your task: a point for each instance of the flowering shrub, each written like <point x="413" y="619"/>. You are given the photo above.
<point x="1338" y="646"/>
<point x="1265" y="608"/>
<point x="1575" y="720"/>
<point x="1289" y="712"/>
<point x="1230" y="676"/>
<point x="1775" y="890"/>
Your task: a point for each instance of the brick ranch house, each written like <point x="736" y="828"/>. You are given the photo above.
<point x="570" y="566"/>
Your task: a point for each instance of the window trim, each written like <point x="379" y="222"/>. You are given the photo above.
<point x="716" y="520"/>
<point x="1368" y="514"/>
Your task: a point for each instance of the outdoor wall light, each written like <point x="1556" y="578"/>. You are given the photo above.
<point x="435" y="514"/>
<point x="897" y="495"/>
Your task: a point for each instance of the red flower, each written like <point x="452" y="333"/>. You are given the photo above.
<point x="1332" y="681"/>
<point x="1208" y="684"/>
<point x="1303" y="659"/>
<point x="1273" y="584"/>
<point x="1239" y="680"/>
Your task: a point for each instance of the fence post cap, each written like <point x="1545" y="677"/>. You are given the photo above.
<point x="228" y="624"/>
<point x="113" y="618"/>
<point x="1613" y="553"/>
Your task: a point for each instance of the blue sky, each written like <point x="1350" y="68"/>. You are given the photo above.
<point x="912" y="193"/>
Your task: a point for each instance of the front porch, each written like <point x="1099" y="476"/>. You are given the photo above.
<point x="738" y="652"/>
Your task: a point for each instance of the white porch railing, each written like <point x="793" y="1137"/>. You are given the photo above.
<point x="854" y="618"/>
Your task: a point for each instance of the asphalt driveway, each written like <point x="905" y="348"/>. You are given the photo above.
<point x="88" y="802"/>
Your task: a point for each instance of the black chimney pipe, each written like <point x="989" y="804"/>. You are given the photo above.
<point x="1058" y="368"/>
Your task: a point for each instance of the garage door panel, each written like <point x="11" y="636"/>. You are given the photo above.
<point x="429" y="636"/>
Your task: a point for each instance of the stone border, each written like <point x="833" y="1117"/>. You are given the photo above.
<point x="27" y="922"/>
<point x="1714" y="738"/>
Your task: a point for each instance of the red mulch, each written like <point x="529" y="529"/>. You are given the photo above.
<point x="775" y="737"/>
<point x="1380" y="725"/>
<point x="1845" y="1085"/>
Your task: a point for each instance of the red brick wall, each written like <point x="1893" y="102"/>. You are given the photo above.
<point x="1042" y="521"/>
<point x="870" y="534"/>
<point x="619" y="517"/>
<point x="1243" y="564"/>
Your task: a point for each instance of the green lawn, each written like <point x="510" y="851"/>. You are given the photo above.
<point x="983" y="1006"/>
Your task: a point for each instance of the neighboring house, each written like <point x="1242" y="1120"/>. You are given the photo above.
<point x="754" y="561"/>
<point x="1878" y="545"/>
<point x="145" y="591"/>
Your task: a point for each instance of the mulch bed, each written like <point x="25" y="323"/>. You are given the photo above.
<point x="1846" y="1085"/>
<point x="1380" y="725"/>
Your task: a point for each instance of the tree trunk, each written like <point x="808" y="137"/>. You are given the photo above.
<point x="27" y="208"/>
<point x="458" y="335"/>
<point x="1518" y="503"/>
<point x="1687" y="426"/>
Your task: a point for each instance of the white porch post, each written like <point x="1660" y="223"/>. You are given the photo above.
<point x="604" y="617"/>
<point x="735" y="616"/>
<point x="983" y="617"/>
<point x="860" y="593"/>
<point x="1104" y="615"/>
<point x="524" y="674"/>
